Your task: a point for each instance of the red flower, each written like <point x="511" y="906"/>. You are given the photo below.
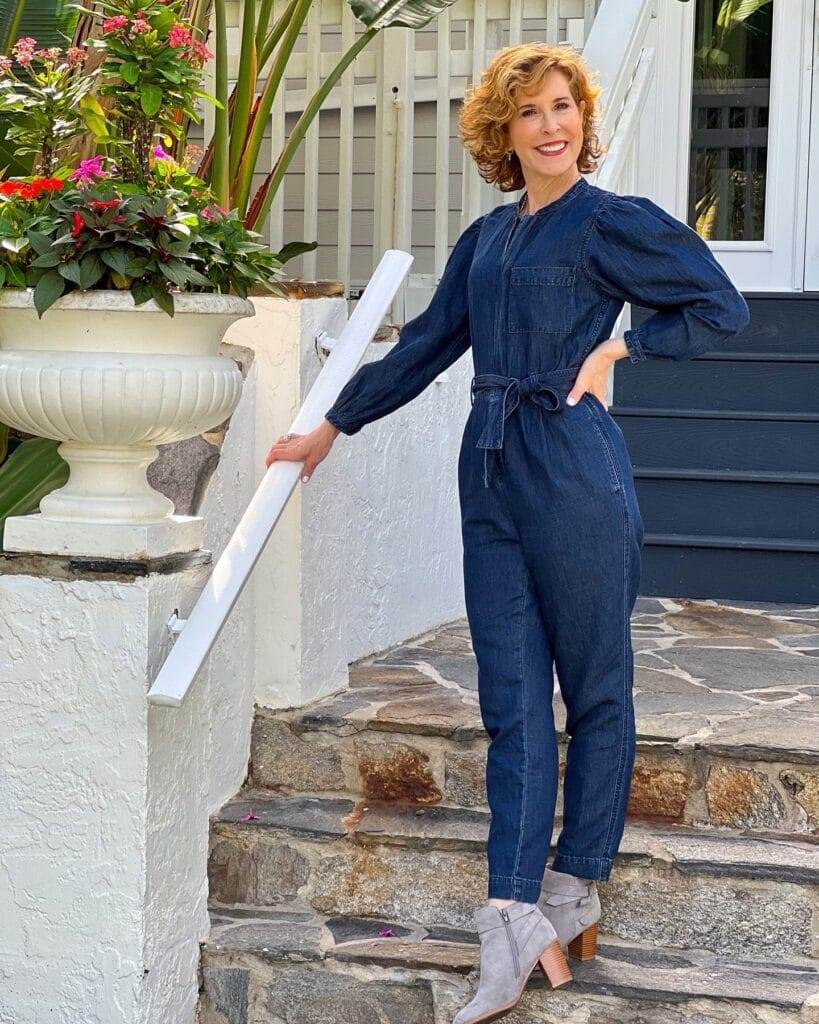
<point x="30" y="190"/>
<point x="77" y="224"/>
<point x="51" y="184"/>
<point x="100" y="205"/>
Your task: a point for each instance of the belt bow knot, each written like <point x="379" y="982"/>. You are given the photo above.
<point x="500" y="396"/>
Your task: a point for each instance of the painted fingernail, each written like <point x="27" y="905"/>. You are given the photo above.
<point x="571" y="401"/>
<point x="304" y="479"/>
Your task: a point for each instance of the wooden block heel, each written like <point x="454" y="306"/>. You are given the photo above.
<point x="584" y="946"/>
<point x="554" y="966"/>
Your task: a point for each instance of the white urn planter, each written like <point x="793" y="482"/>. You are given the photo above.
<point x="111" y="381"/>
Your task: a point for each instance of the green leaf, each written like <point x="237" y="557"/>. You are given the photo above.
<point x="40" y="243"/>
<point x="16" y="277"/>
<point x="91" y="270"/>
<point x="129" y="73"/>
<point x="150" y="99"/>
<point x="14" y="244"/>
<point x="116" y="259"/>
<point x="32" y="471"/>
<point x="163" y="20"/>
<point x="48" y="259"/>
<point x="49" y="288"/>
<point x="70" y="271"/>
<point x="162" y="298"/>
<point x="141" y="291"/>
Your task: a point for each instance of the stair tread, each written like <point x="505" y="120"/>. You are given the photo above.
<point x="715" y="852"/>
<point x="295" y="933"/>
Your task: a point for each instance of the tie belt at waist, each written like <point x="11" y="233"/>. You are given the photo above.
<point x="500" y="396"/>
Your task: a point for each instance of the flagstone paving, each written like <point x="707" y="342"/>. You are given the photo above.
<point x="726" y="701"/>
<point x="739" y="673"/>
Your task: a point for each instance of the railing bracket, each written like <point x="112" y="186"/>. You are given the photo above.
<point x="325" y="342"/>
<point x="175" y="624"/>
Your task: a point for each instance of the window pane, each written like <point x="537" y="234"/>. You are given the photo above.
<point x="729" y="122"/>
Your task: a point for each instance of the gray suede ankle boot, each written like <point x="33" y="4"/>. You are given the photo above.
<point x="573" y="907"/>
<point x="513" y="940"/>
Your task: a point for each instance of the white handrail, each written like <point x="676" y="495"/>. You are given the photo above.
<point x="613" y="49"/>
<point x="611" y="171"/>
<point x="231" y="572"/>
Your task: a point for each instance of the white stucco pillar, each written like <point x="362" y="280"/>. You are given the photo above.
<point x="103" y="799"/>
<point x="298" y="585"/>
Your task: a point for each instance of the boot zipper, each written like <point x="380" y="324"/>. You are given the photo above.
<point x="512" y="944"/>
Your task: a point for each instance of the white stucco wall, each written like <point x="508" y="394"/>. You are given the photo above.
<point x="402" y="554"/>
<point x="103" y="803"/>
<point x="229" y="671"/>
<point x="369" y="551"/>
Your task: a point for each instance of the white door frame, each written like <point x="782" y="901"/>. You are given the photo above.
<point x="811" y="281"/>
<point x="777" y="263"/>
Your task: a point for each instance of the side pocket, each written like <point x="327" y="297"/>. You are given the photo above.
<point x="596" y="414"/>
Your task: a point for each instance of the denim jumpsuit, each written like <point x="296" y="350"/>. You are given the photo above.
<point x="552" y="533"/>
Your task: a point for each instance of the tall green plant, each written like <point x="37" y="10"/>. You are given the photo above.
<point x="27" y="475"/>
<point x="731" y="15"/>
<point x="232" y="157"/>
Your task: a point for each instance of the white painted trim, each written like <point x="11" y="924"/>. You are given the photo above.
<point x="811" y="239"/>
<point x="775" y="263"/>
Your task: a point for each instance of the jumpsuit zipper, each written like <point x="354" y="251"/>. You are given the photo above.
<point x="512" y="944"/>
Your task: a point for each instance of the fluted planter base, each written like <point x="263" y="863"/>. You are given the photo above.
<point x="111" y="381"/>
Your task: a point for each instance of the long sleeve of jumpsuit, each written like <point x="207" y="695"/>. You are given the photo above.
<point x="427" y="345"/>
<point x="636" y="251"/>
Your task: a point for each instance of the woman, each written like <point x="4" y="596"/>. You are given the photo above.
<point x="552" y="533"/>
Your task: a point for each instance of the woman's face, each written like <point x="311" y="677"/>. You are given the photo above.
<point x="547" y="130"/>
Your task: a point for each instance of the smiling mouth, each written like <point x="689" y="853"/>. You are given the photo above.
<point x="552" y="148"/>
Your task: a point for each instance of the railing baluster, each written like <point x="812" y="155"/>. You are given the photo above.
<point x="346" y="153"/>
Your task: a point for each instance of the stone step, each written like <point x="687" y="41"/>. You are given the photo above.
<point x="731" y="894"/>
<point x="727" y="708"/>
<point x="289" y="965"/>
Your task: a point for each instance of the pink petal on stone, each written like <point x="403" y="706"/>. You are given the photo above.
<point x="386" y="933"/>
<point x="250" y="816"/>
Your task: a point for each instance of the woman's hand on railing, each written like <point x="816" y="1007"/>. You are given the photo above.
<point x="310" y="448"/>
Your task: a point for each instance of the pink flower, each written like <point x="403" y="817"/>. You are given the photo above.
<point x="89" y="170"/>
<point x="76" y="55"/>
<point x="210" y="212"/>
<point x="52" y="54"/>
<point x="23" y="50"/>
<point x="199" y="54"/>
<point x="160" y="154"/>
<point x="115" y="24"/>
<point x="139" y="26"/>
<point x="5" y="65"/>
<point x="179" y="36"/>
<point x="24" y="45"/>
<point x="250" y="816"/>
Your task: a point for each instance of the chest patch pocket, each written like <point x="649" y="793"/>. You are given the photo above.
<point x="540" y="300"/>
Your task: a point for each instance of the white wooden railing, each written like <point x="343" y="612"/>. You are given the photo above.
<point x="388" y="82"/>
<point x="197" y="634"/>
<point x="616" y="49"/>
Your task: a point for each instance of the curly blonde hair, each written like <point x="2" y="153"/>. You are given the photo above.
<point x="489" y="106"/>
